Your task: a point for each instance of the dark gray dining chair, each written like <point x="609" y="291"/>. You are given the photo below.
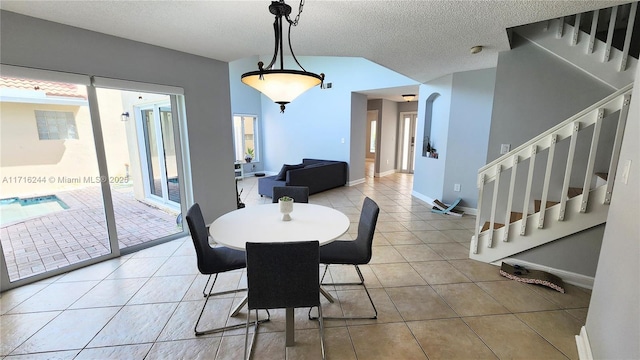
<point x="282" y="275"/>
<point x="212" y="261"/>
<point x="300" y="194"/>
<point x="356" y="252"/>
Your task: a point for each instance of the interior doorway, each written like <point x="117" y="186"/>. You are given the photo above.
<point x="407" y="141"/>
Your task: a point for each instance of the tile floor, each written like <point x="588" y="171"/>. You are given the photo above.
<point x="433" y="302"/>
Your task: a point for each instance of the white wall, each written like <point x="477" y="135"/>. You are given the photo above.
<point x="205" y="82"/>
<point x="613" y="320"/>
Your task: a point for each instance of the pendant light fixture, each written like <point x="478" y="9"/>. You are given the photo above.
<point x="282" y="85"/>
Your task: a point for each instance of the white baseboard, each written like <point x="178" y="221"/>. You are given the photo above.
<point x="386" y="173"/>
<point x="584" y="348"/>
<point x="583" y="281"/>
<point x="355" y="182"/>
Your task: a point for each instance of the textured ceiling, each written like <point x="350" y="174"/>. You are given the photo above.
<point x="420" y="39"/>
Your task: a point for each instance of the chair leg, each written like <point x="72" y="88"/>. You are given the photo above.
<point x="207" y="296"/>
<point x="248" y="349"/>
<point x="321" y="331"/>
<point x="375" y="316"/>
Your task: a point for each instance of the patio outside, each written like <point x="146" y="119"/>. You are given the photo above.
<point x="61" y="238"/>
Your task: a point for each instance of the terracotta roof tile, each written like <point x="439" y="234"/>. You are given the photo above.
<point x="49" y="87"/>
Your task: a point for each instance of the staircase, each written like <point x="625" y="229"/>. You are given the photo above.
<point x="571" y="167"/>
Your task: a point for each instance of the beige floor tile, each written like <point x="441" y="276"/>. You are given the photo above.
<point x="116" y="292"/>
<point x="510" y="338"/>
<point x="57" y="355"/>
<point x="390" y="226"/>
<point x="11" y="298"/>
<point x="400" y="274"/>
<point x="402" y="238"/>
<point x="196" y="349"/>
<point x="447" y="224"/>
<point x="420" y="225"/>
<point x="579" y="314"/>
<point x="372" y="342"/>
<point x="557" y="327"/>
<point x="73" y="329"/>
<point x="439" y="272"/>
<point x="478" y="271"/>
<point x="134" y="324"/>
<point x="461" y="236"/>
<point x="56" y="296"/>
<point x="338" y="344"/>
<point x="15" y="329"/>
<point x="433" y="237"/>
<point x="179" y="265"/>
<point x="138" y="267"/>
<point x="94" y="272"/>
<point x="421" y="252"/>
<point x="449" y="339"/>
<point x="468" y="299"/>
<point x="451" y="251"/>
<point x="573" y="297"/>
<point x="387" y="311"/>
<point x="420" y="303"/>
<point x="138" y="351"/>
<point x="385" y="255"/>
<point x="516" y="296"/>
<point x="163" y="289"/>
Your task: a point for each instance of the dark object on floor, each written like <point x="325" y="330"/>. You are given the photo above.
<point x="519" y="273"/>
<point x="240" y="204"/>
<point x="258" y="174"/>
<point x="442" y="208"/>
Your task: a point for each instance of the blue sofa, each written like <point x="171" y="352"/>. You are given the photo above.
<point x="318" y="175"/>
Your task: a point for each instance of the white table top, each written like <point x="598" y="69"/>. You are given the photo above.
<point x="263" y="223"/>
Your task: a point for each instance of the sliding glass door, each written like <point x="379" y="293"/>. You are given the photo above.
<point x="86" y="171"/>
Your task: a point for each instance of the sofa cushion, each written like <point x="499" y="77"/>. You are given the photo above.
<point x="282" y="175"/>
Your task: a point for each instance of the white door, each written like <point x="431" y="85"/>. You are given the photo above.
<point x="408" y="141"/>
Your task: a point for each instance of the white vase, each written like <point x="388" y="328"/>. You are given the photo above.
<point x="286" y="207"/>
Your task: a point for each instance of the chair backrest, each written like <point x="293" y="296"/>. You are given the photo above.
<point x="209" y="261"/>
<point x="299" y="194"/>
<point x="366" y="229"/>
<point x="283" y="275"/>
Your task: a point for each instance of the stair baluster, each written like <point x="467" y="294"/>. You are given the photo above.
<point x="592" y="33"/>
<point x="527" y="194"/>
<point x="612" y="28"/>
<point x="547" y="178"/>
<point x="597" y="127"/>
<point x="567" y="172"/>
<point x="627" y="36"/>
<point x="512" y="185"/>
<point x="617" y="144"/>
<point x="496" y="189"/>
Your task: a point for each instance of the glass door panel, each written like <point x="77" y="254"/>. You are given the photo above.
<point x="142" y="162"/>
<point x="408" y="137"/>
<point x="52" y="212"/>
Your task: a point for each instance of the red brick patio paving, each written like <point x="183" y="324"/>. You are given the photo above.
<point x="58" y="239"/>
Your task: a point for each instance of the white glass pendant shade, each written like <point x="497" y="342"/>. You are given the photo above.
<point x="281" y="86"/>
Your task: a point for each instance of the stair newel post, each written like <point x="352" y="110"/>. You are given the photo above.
<point x="617" y="144"/>
<point x="586" y="188"/>
<point x="512" y="185"/>
<point x="567" y="172"/>
<point x="527" y="192"/>
<point x="592" y="33"/>
<point x="547" y="179"/>
<point x="476" y="239"/>
<point x="494" y="203"/>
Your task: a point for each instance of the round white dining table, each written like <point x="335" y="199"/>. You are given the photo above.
<point x="263" y="223"/>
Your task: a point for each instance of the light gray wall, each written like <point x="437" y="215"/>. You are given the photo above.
<point x="388" y="136"/>
<point x="359" y="125"/>
<point x="428" y="178"/>
<point x="46" y="45"/>
<point x="613" y="320"/>
<point x="535" y="91"/>
<point x="469" y="124"/>
<point x="583" y="247"/>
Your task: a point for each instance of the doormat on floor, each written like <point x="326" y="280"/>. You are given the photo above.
<point x="519" y="273"/>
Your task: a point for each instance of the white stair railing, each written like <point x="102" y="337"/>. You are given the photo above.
<point x="489" y="175"/>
